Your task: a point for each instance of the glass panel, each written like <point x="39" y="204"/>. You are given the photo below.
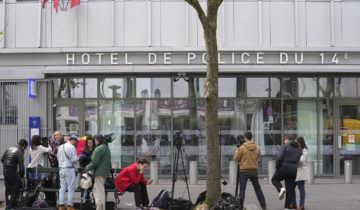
<point x="91" y="88"/>
<point x="275" y="87"/>
<point x="327" y="139"/>
<point x="68" y="88"/>
<point x="299" y="87"/>
<point x="117" y="116"/>
<point x="200" y="87"/>
<point x="231" y="125"/>
<point x="181" y="87"/>
<point x="116" y="88"/>
<point x="326" y="87"/>
<point x="8" y="103"/>
<point x="227" y="87"/>
<point x="264" y="121"/>
<point x="257" y="87"/>
<point x="300" y="119"/>
<point x="153" y="87"/>
<point x="350" y="137"/>
<point x="91" y="117"/>
<point x="240" y="87"/>
<point x="153" y="134"/>
<point x="347" y="87"/>
<point x="67" y="120"/>
<point x="189" y="118"/>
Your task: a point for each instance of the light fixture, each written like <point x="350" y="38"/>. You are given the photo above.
<point x="181" y="75"/>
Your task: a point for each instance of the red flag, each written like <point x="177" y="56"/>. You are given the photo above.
<point x="44" y="2"/>
<point x="74" y="3"/>
<point x="56" y="5"/>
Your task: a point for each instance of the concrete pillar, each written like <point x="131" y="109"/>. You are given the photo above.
<point x="311" y="170"/>
<point x="154" y="171"/>
<point x="232" y="172"/>
<point x="271" y="170"/>
<point x="193" y="172"/>
<point x="348" y="171"/>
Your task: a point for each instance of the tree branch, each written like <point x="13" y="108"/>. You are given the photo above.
<point x="212" y="8"/>
<point x="196" y="5"/>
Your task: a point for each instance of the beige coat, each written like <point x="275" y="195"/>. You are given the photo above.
<point x="302" y="170"/>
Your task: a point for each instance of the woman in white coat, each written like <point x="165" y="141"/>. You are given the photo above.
<point x="302" y="174"/>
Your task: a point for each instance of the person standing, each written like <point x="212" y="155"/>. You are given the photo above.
<point x="36" y="154"/>
<point x="56" y="141"/>
<point x="67" y="157"/>
<point x="85" y="157"/>
<point x="100" y="163"/>
<point x="302" y="174"/>
<point x="248" y="155"/>
<point x="131" y="179"/>
<point x="13" y="163"/>
<point x="286" y="168"/>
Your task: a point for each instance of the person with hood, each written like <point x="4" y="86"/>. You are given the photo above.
<point x="286" y="168"/>
<point x="131" y="179"/>
<point x="248" y="155"/>
<point x="100" y="163"/>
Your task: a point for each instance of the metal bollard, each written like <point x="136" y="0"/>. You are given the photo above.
<point x="193" y="172"/>
<point x="271" y="170"/>
<point x="232" y="172"/>
<point x="154" y="171"/>
<point x="310" y="168"/>
<point x="348" y="171"/>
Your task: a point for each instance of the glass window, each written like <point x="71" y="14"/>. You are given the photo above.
<point x="153" y="87"/>
<point x="326" y="87"/>
<point x="181" y="88"/>
<point x="68" y="88"/>
<point x="275" y="87"/>
<point x="326" y="162"/>
<point x="117" y="88"/>
<point x="117" y="116"/>
<point x="240" y="87"/>
<point x="299" y="87"/>
<point x="257" y="87"/>
<point x="347" y="87"/>
<point x="91" y="117"/>
<point x="8" y="103"/>
<point x="227" y="87"/>
<point x="91" y="88"/>
<point x="153" y="134"/>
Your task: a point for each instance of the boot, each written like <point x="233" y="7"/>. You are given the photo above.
<point x="71" y="208"/>
<point x="62" y="207"/>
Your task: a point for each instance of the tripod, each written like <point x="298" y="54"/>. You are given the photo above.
<point x="178" y="155"/>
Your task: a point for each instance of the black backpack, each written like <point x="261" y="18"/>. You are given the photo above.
<point x="161" y="200"/>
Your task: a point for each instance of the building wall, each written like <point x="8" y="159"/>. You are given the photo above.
<point x="96" y="23"/>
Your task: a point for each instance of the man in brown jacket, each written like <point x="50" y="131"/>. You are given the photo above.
<point x="248" y="155"/>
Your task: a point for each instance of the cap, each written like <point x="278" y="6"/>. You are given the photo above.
<point x="100" y="138"/>
<point x="73" y="137"/>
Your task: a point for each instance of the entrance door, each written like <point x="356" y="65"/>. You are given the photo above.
<point x="348" y="135"/>
<point x="69" y="118"/>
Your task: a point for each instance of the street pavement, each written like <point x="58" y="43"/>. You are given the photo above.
<point x="325" y="194"/>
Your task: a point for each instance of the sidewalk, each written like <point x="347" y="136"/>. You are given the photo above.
<point x="325" y="194"/>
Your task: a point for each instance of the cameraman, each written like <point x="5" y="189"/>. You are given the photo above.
<point x="100" y="163"/>
<point x="248" y="155"/>
<point x="36" y="154"/>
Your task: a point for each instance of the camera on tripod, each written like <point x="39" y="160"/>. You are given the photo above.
<point x="108" y="138"/>
<point x="178" y="140"/>
<point x="240" y="141"/>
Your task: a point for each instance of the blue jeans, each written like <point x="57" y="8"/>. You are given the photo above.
<point x="244" y="176"/>
<point x="35" y="175"/>
<point x="301" y="187"/>
<point x="67" y="182"/>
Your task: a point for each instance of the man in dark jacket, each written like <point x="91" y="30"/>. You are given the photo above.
<point x="286" y="168"/>
<point x="12" y="159"/>
<point x="100" y="163"/>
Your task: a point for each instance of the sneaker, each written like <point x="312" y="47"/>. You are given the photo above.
<point x="282" y="193"/>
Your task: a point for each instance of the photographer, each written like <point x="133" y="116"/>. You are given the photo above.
<point x="36" y="154"/>
<point x="248" y="155"/>
<point x="100" y="163"/>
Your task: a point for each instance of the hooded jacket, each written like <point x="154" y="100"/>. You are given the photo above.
<point x="288" y="156"/>
<point x="128" y="176"/>
<point x="248" y="155"/>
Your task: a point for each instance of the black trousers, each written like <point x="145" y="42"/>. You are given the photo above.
<point x="140" y="194"/>
<point x="289" y="176"/>
<point x="12" y="187"/>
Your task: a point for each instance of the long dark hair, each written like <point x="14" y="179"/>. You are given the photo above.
<point x="90" y="138"/>
<point x="301" y="142"/>
<point x="35" y="141"/>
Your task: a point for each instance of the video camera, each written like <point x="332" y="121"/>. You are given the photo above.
<point x="108" y="138"/>
<point x="240" y="140"/>
<point x="45" y="141"/>
<point x="178" y="141"/>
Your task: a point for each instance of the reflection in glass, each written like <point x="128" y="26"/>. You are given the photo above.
<point x="326" y="87"/>
<point x="68" y="88"/>
<point x="227" y="87"/>
<point x="116" y="87"/>
<point x="153" y="135"/>
<point x="264" y="121"/>
<point x="117" y="116"/>
<point x="347" y="87"/>
<point x="326" y="163"/>
<point x="67" y="120"/>
<point x="91" y="117"/>
<point x="299" y="87"/>
<point x="153" y="87"/>
<point x="257" y="87"/>
<point x="181" y="87"/>
<point x="240" y="87"/>
<point x="275" y="87"/>
<point x="91" y="88"/>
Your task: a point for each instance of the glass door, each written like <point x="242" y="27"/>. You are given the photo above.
<point x="348" y="135"/>
<point x="69" y="118"/>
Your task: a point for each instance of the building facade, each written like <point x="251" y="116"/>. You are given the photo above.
<point x="137" y="69"/>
